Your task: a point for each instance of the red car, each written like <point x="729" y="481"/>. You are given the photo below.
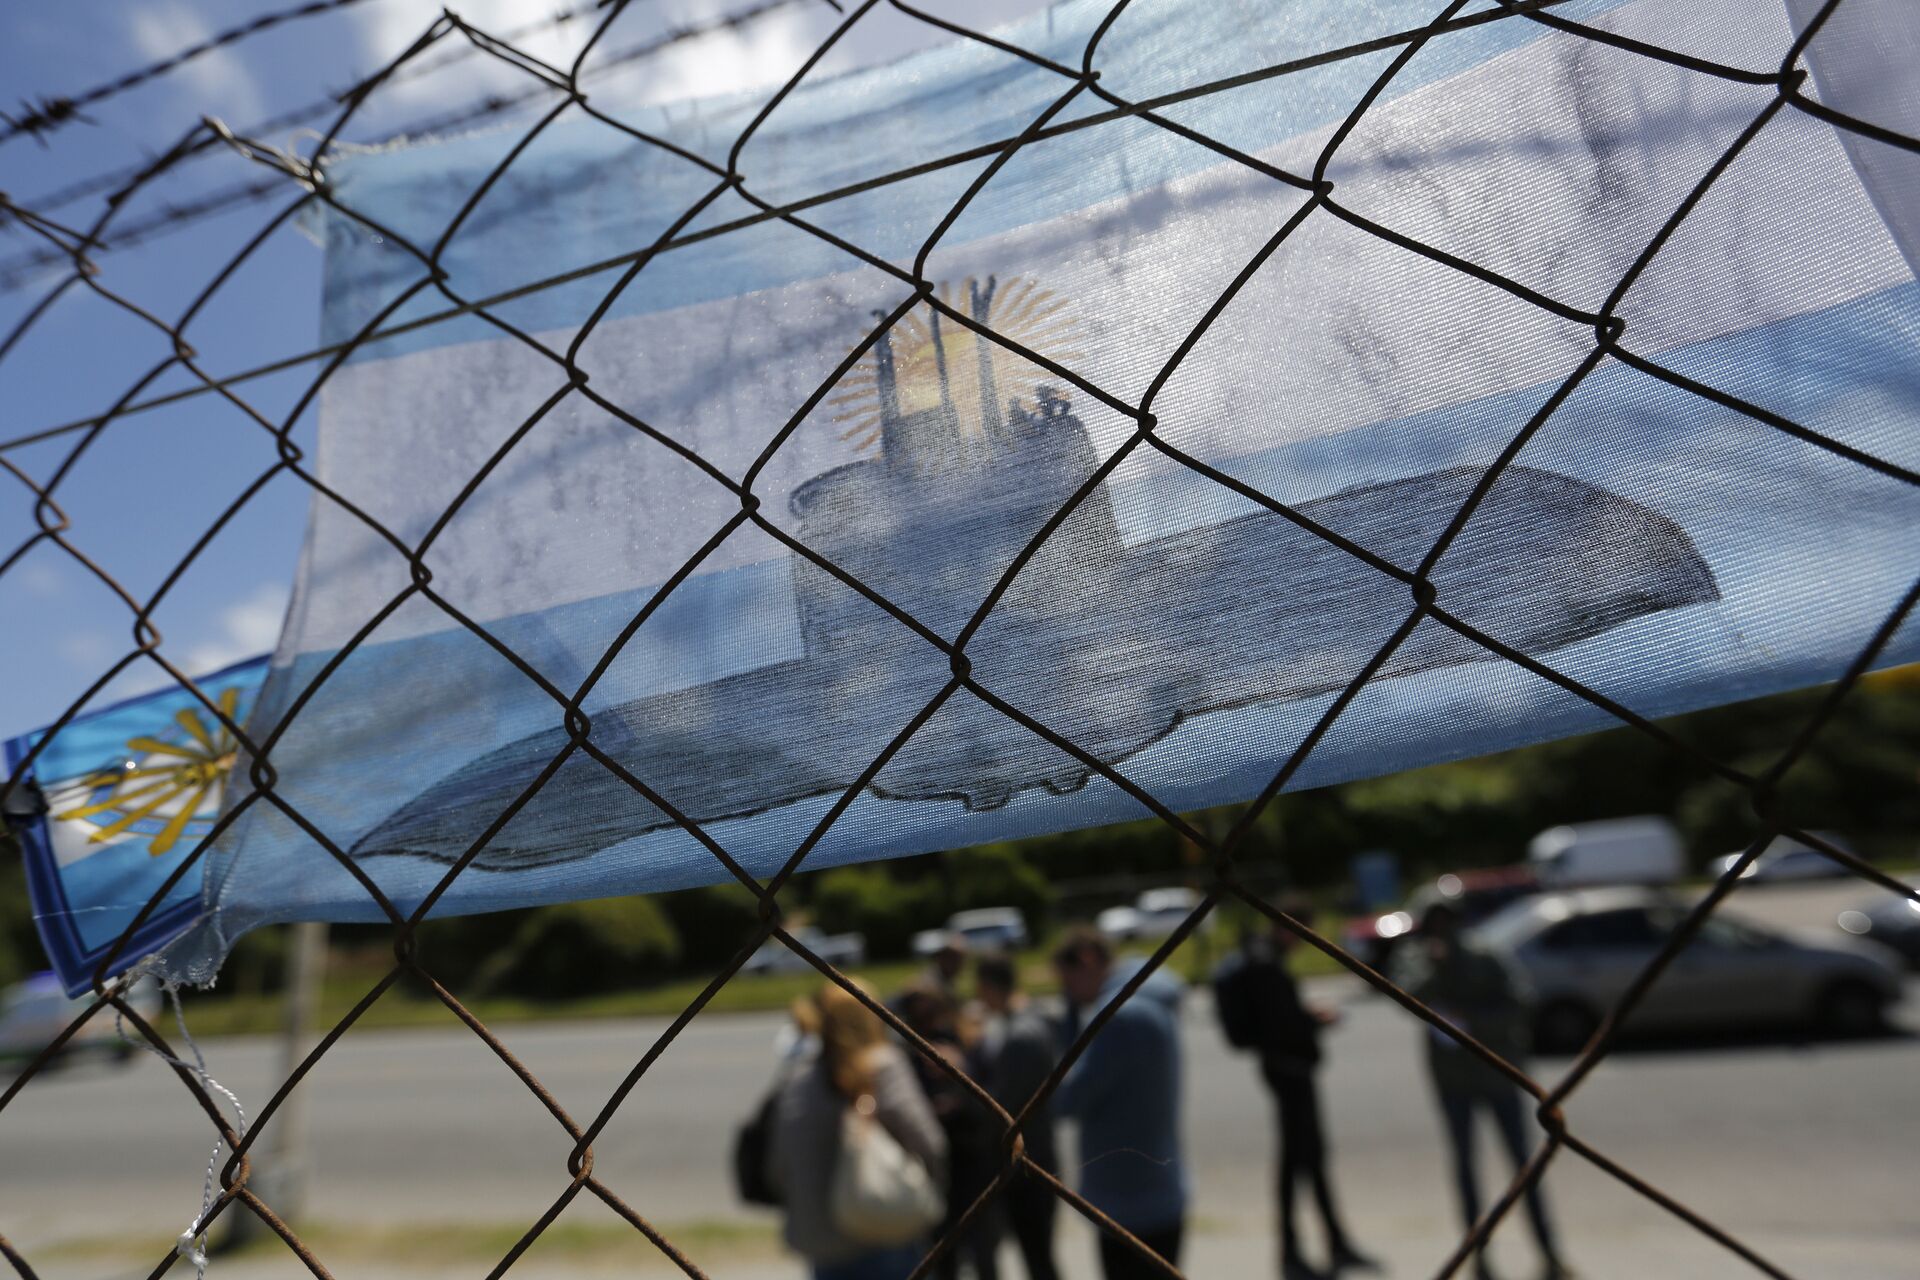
<point x="1475" y="894"/>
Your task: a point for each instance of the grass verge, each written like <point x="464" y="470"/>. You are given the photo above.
<point x="410" y="1005"/>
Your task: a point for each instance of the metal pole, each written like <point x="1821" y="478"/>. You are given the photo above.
<point x="281" y="1168"/>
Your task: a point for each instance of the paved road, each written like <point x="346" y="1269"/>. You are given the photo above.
<point x="1807" y="1152"/>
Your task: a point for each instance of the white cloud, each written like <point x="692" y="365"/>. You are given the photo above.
<point x="387" y="30"/>
<point x="219" y="83"/>
<point x="92" y="652"/>
<point x="92" y="649"/>
<point x="760" y="54"/>
<point x="246" y="628"/>
<point x="764" y="52"/>
<point x="39" y="578"/>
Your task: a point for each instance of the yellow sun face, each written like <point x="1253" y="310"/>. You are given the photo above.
<point x="168" y="787"/>
<point x="1019" y="310"/>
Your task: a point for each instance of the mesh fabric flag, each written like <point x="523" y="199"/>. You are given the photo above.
<point x="125" y="795"/>
<point x="1615" y="351"/>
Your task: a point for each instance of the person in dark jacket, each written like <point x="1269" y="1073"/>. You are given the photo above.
<point x="1124" y="1093"/>
<point x="1018" y="1051"/>
<point x="1286" y="1031"/>
<point x="971" y="1131"/>
<point x="1476" y="992"/>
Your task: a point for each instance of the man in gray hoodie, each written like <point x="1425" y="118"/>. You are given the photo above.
<point x="1124" y="1093"/>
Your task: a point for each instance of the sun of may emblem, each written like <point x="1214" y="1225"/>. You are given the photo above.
<point x="936" y="360"/>
<point x="168" y="787"/>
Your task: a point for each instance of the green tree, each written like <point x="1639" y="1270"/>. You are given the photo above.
<point x="19" y="947"/>
<point x="871" y="901"/>
<point x="999" y="875"/>
<point x="584" y="948"/>
<point x="713" y="923"/>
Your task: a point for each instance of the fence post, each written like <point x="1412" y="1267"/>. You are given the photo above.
<point x="281" y="1175"/>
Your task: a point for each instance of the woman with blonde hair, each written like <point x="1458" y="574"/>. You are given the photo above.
<point x="852" y="1066"/>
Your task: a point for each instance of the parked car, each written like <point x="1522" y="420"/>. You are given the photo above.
<point x="1892" y="921"/>
<point x="1581" y="950"/>
<point x="1787" y="859"/>
<point x="35" y="1011"/>
<point x="775" y="956"/>
<point x="1154" y="914"/>
<point x="983" y="928"/>
<point x="1473" y="894"/>
<point x="1642" y="850"/>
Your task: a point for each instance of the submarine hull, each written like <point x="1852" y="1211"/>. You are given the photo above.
<point x="1111" y="648"/>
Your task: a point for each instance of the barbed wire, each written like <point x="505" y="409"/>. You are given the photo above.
<point x="51" y="111"/>
<point x="23" y="268"/>
<point x="1425" y="602"/>
<point x="967" y="155"/>
<point x="113" y="180"/>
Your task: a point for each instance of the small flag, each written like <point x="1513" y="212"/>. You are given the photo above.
<point x="127" y="794"/>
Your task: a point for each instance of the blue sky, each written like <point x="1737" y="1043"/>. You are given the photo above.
<point x="149" y="485"/>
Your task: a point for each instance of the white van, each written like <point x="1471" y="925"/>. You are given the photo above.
<point x="1643" y="850"/>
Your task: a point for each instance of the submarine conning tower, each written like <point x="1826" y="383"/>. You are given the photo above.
<point x="936" y="518"/>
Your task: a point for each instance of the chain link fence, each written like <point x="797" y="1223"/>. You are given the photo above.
<point x="304" y="177"/>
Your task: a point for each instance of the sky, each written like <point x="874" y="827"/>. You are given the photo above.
<point x="142" y="492"/>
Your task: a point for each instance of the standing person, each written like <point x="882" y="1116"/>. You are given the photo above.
<point x="1124" y="1092"/>
<point x="1475" y="992"/>
<point x="941" y="975"/>
<point x="1018" y="1053"/>
<point x="970" y="1129"/>
<point x="851" y="1064"/>
<point x="1260" y="1008"/>
<point x="945" y="966"/>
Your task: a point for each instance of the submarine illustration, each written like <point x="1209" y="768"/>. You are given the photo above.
<point x="1110" y="646"/>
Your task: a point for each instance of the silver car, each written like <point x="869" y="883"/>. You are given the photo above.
<point x="1788" y="859"/>
<point x="34" y="1012"/>
<point x="982" y="929"/>
<point x="775" y="956"/>
<point x="1154" y="914"/>
<point x="1580" y="951"/>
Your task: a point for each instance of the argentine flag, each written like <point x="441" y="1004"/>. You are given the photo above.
<point x="794" y="494"/>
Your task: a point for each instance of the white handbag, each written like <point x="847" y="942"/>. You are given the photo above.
<point x="881" y="1193"/>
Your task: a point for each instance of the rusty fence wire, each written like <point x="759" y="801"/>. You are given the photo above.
<point x="302" y="176"/>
